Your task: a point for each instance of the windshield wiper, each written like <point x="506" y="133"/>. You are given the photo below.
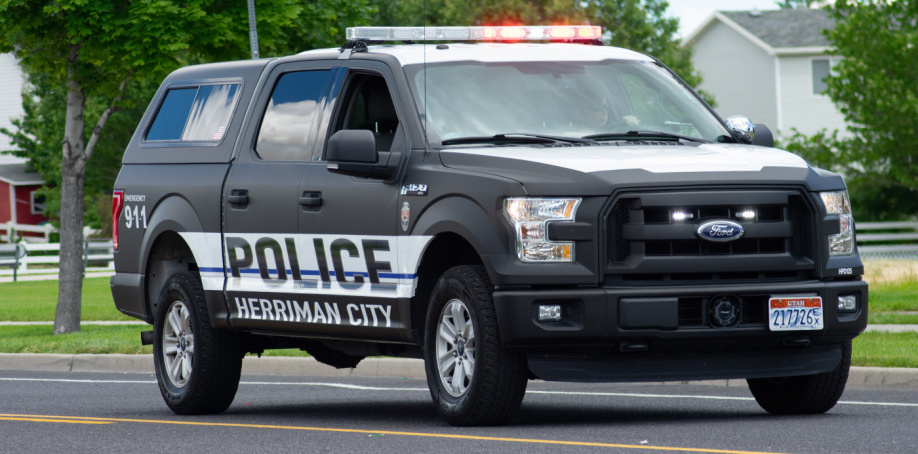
<point x="638" y="135"/>
<point x="517" y="138"/>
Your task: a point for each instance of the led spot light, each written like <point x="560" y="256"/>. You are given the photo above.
<point x="679" y="216"/>
<point x="847" y="303"/>
<point x="549" y="312"/>
<point x="746" y="215"/>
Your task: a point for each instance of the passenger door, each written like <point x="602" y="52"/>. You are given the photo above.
<point x="261" y="192"/>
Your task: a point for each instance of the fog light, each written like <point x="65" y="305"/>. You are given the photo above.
<point x="847" y="303"/>
<point x="549" y="312"/>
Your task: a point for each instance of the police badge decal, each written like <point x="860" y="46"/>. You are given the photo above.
<point x="406" y="216"/>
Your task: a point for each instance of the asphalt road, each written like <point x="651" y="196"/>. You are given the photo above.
<point x="50" y="412"/>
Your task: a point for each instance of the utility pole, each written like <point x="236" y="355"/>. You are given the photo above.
<point x="253" y="33"/>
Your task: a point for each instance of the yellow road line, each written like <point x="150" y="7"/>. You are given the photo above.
<point x="54" y="419"/>
<point x="91" y="420"/>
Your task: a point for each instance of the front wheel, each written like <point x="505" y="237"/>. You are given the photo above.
<point x="472" y="379"/>
<point x="197" y="367"/>
<point x="808" y="394"/>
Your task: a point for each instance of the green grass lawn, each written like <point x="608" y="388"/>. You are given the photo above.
<point x="894" y="303"/>
<point x="36" y="301"/>
<point x="90" y="339"/>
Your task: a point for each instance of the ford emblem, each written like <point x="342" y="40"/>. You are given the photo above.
<point x="720" y="231"/>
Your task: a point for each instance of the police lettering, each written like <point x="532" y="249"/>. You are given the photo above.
<point x="323" y="313"/>
<point x="272" y="255"/>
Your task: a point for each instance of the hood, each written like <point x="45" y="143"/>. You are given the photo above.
<point x="592" y="169"/>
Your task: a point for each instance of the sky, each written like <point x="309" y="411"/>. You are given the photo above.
<point x="692" y="13"/>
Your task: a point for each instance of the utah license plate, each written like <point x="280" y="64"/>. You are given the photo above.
<point x="795" y="313"/>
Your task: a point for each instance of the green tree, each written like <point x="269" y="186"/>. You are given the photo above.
<point x="640" y="25"/>
<point x="873" y="86"/>
<point x="82" y="56"/>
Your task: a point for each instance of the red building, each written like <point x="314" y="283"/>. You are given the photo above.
<point x="21" y="207"/>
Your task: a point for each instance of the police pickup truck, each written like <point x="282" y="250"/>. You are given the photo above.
<point x="507" y="203"/>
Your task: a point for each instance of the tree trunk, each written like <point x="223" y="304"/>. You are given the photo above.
<point x="73" y="171"/>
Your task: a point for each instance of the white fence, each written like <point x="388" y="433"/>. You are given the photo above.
<point x="888" y="240"/>
<point x="44" y="258"/>
<point x="33" y="233"/>
<point x="23" y="232"/>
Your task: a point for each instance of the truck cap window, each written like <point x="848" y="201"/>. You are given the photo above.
<point x="194" y="114"/>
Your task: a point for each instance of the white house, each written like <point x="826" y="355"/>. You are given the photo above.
<point x="768" y="66"/>
<point x="11" y="81"/>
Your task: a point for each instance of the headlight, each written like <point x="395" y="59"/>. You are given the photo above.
<point x="530" y="218"/>
<point x="839" y="204"/>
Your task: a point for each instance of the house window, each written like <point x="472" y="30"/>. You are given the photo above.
<point x="38" y="203"/>
<point x="822" y="67"/>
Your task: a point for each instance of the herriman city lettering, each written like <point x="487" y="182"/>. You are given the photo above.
<point x="326" y="313"/>
<point x="241" y="256"/>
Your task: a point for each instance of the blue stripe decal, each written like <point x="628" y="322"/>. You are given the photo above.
<point x="312" y="273"/>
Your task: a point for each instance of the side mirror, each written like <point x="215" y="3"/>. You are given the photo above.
<point x="748" y="132"/>
<point x="353" y="152"/>
<point x="352" y="145"/>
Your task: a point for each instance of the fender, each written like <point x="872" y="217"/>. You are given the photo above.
<point x="174" y="214"/>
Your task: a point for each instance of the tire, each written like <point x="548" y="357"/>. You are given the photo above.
<point x="808" y="394"/>
<point x="197" y="367"/>
<point x="472" y="379"/>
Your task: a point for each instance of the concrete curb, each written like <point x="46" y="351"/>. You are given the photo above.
<point x="887" y="378"/>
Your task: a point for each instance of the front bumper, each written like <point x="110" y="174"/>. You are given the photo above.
<point x="661" y="332"/>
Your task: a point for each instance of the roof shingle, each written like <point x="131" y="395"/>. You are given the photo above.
<point x="785" y="28"/>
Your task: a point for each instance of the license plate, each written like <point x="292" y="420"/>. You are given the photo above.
<point x="795" y="313"/>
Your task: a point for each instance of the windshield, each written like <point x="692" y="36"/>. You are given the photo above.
<point x="563" y="99"/>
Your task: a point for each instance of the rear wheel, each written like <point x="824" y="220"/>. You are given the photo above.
<point x="472" y="379"/>
<point x="808" y="394"/>
<point x="197" y="367"/>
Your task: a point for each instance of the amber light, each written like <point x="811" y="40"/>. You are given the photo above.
<point x="589" y="32"/>
<point x="561" y="32"/>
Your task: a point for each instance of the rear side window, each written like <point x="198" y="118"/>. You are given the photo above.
<point x="194" y="114"/>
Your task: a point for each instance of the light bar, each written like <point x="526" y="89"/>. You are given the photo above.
<point x="520" y="33"/>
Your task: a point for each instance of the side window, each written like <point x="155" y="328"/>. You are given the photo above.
<point x="194" y="114"/>
<point x="289" y="125"/>
<point x="369" y="106"/>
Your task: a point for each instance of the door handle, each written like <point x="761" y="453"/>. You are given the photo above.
<point x="238" y="198"/>
<point x="311" y="201"/>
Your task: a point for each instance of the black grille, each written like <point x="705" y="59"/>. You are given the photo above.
<point x="646" y="242"/>
<point x="693" y="312"/>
